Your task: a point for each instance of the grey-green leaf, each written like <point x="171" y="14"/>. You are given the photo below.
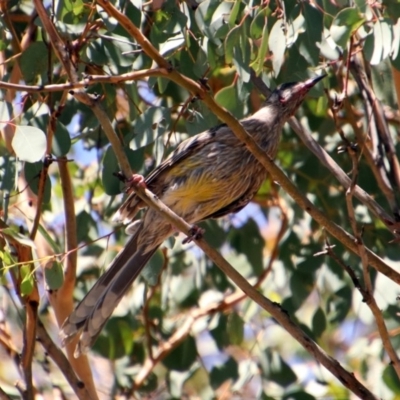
<point x="29" y="143"/>
<point x="151" y="124"/>
<point x="54" y="276"/>
<point x="277" y="45"/>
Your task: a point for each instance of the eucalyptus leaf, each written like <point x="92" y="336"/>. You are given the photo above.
<point x="29" y="143"/>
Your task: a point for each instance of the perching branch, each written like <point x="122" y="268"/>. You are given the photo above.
<point x="276" y="173"/>
<point x="61" y="361"/>
<point x="280" y="315"/>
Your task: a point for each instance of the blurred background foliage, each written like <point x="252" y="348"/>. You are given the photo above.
<point x="184" y="330"/>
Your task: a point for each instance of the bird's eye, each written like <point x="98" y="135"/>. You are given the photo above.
<point x="282" y="98"/>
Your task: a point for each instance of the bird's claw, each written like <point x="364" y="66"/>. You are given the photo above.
<point x="195" y="233"/>
<point x="136" y="179"/>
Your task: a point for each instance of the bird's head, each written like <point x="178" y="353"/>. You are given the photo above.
<point x="288" y="96"/>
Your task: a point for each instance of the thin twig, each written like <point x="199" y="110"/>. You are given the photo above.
<point x="280" y="315"/>
<point x="385" y="138"/>
<point x="61" y="361"/>
<point x="367" y="292"/>
<point x="275" y="250"/>
<point x="62" y="299"/>
<point x="375" y="167"/>
<point x="86" y="82"/>
<point x="371" y="303"/>
<point x="347" y="379"/>
<point x="276" y="173"/>
<point x="182" y="333"/>
<point x="31" y="302"/>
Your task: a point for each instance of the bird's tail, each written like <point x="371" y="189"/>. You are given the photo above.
<point x="91" y="314"/>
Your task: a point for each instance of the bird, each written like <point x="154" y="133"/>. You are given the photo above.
<point x="208" y="175"/>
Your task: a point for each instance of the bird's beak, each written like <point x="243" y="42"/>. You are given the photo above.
<point x="312" y="81"/>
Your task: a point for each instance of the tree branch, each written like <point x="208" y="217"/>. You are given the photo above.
<point x="61" y="361"/>
<point x="274" y="309"/>
<point x="87" y="81"/>
<point x="276" y="174"/>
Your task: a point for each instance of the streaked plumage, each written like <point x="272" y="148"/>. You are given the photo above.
<point x="208" y="176"/>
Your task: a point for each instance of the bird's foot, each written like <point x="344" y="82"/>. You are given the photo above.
<point x="135" y="179"/>
<point x="195" y="233"/>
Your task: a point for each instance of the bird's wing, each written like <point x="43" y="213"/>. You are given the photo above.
<point x="154" y="180"/>
<point x="233" y="207"/>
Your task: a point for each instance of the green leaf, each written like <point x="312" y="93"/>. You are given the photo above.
<point x="275" y="369"/>
<point x="277" y="45"/>
<point x="231" y="41"/>
<point x="393" y="8"/>
<point x="96" y="53"/>
<point x="228" y="97"/>
<point x="214" y="234"/>
<point x="248" y="241"/>
<point x="112" y="185"/>
<point x="227" y="371"/>
<point x="339" y="304"/>
<point x="298" y="395"/>
<point x="235" y="329"/>
<point x="346" y="22"/>
<point x="29" y="143"/>
<point x="116" y="339"/>
<point x="391" y="379"/>
<point x="328" y="50"/>
<point x="8" y="175"/>
<point x="219" y="330"/>
<point x="201" y="65"/>
<point x="395" y="57"/>
<point x="13" y="232"/>
<point x="27" y="282"/>
<point x="219" y="20"/>
<point x="258" y="63"/>
<point x="150" y="125"/>
<point x="54" y="245"/>
<point x="378" y="44"/>
<point x="34" y="61"/>
<point x="151" y="271"/>
<point x="182" y="357"/>
<point x="61" y="140"/>
<point x="301" y="285"/>
<point x="234" y="13"/>
<point x="387" y="34"/>
<point x="203" y="15"/>
<point x="318" y="322"/>
<point x="87" y="227"/>
<point x="201" y="119"/>
<point x="311" y="37"/>
<point x="172" y="44"/>
<point x="32" y="172"/>
<point x="257" y="26"/>
<point x="240" y="61"/>
<point x="54" y="275"/>
<point x="110" y="22"/>
<point x="8" y="260"/>
<point x="75" y="7"/>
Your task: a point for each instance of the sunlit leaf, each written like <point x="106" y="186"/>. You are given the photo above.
<point x="346" y="22"/>
<point x="277" y="45"/>
<point x="29" y="143"/>
<point x="54" y="275"/>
